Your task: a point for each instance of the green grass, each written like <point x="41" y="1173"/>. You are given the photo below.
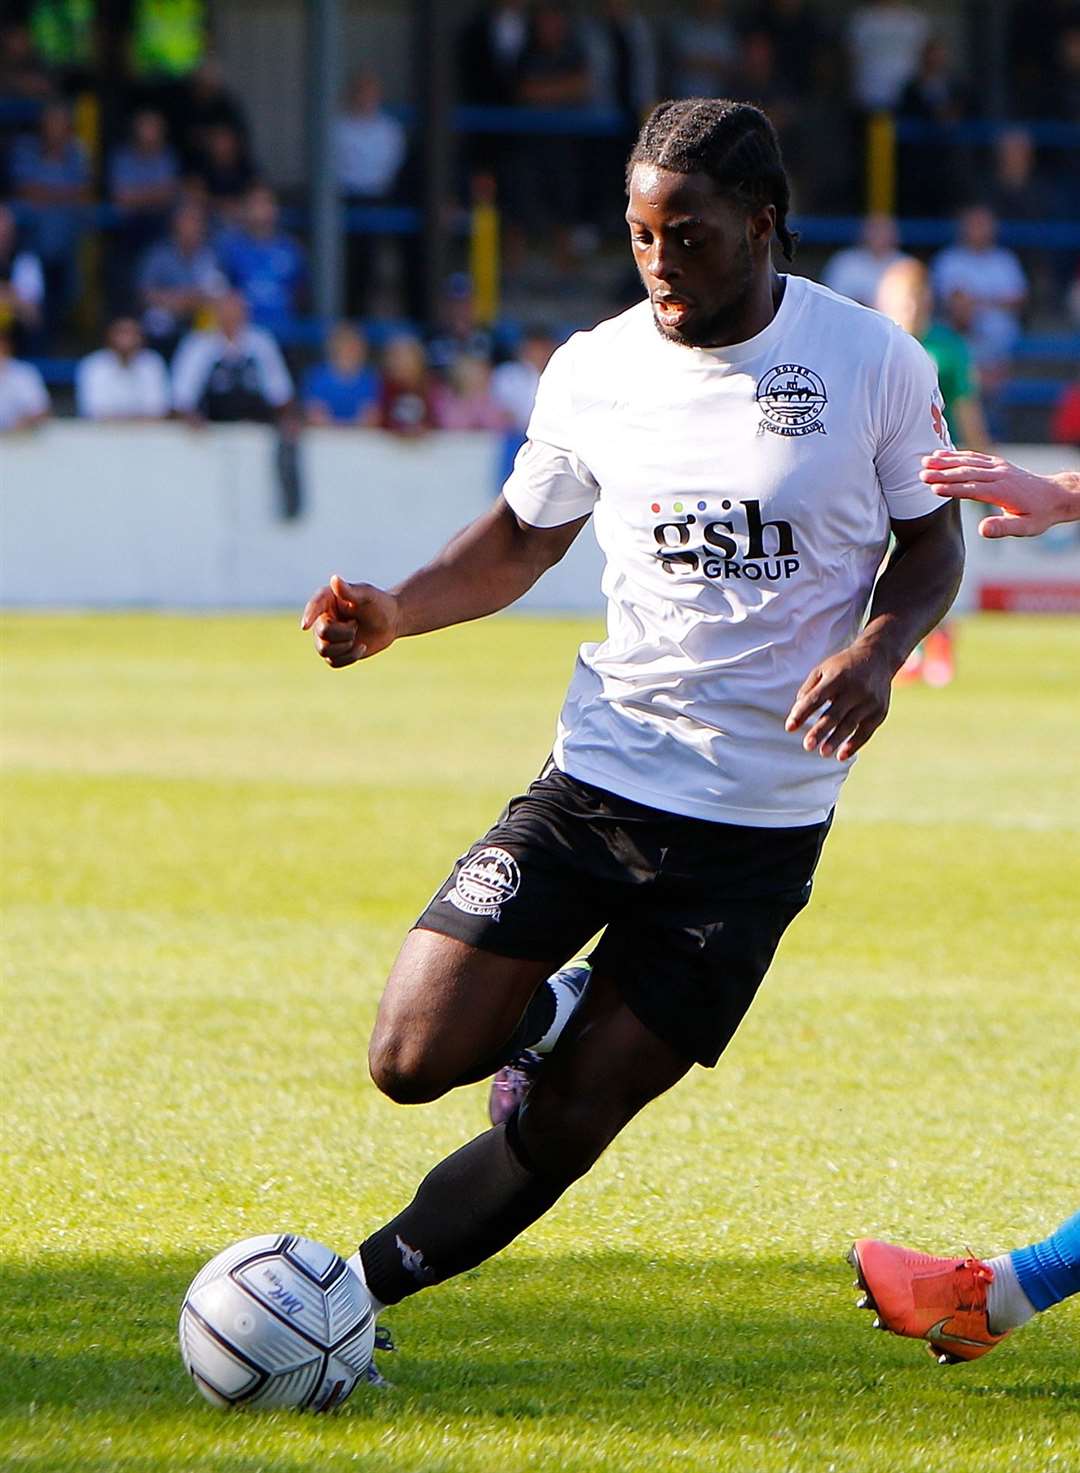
<point x="212" y="849"/>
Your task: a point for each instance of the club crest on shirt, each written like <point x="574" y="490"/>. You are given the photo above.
<point x="791" y="399"/>
<point x="485" y="883"/>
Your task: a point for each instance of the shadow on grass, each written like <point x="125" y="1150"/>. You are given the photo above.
<point x="644" y="1344"/>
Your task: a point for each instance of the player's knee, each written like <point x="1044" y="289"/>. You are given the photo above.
<point x="404" y="1073"/>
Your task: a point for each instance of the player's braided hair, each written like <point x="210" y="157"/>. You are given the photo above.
<point x="733" y="142"/>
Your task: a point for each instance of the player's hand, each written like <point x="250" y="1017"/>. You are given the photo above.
<point x="351" y="621"/>
<point x="1030" y="503"/>
<point x="849" y="693"/>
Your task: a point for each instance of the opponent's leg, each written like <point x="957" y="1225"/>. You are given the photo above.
<point x="963" y="1307"/>
<point x="605" y="1068"/>
<point x="450" y="1014"/>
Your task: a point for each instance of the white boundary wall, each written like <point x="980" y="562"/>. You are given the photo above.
<point x="162" y="515"/>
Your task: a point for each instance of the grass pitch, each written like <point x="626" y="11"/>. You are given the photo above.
<point x="212" y="848"/>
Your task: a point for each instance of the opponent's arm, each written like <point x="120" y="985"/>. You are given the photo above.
<point x="1031" y="503"/>
<point x="912" y="595"/>
<point x="486" y="567"/>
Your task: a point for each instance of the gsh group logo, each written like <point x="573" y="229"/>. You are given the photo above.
<point x="741" y="546"/>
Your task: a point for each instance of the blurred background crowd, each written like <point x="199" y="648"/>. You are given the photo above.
<point x="158" y="248"/>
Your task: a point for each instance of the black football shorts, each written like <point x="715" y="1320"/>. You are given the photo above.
<point x="693" y="910"/>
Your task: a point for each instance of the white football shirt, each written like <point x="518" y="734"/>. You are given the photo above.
<point x="742" y="498"/>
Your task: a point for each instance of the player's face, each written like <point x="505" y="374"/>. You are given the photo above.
<point x="697" y="253"/>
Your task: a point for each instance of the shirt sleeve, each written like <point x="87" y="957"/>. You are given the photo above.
<point x="912" y="424"/>
<point x="85" y="390"/>
<point x="190" y="369"/>
<point x="157" y="386"/>
<point x="550" y="484"/>
<point x="276" y="378"/>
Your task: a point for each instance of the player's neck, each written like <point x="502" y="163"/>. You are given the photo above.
<point x="762" y="305"/>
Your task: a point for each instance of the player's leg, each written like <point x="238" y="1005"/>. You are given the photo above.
<point x="606" y="1067"/>
<point x="452" y="1013"/>
<point x="1029" y="1280"/>
<point x="469" y="989"/>
<point x="963" y="1307"/>
<point x="673" y="977"/>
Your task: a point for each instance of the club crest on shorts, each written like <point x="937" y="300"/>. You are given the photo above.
<point x="791" y="399"/>
<point x="485" y="883"/>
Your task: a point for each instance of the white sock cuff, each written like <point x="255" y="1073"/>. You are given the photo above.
<point x="1007" y="1306"/>
<point x="356" y="1263"/>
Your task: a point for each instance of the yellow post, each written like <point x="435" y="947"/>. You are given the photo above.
<point x="484" y="248"/>
<point x="86" y="119"/>
<point x="881" y="164"/>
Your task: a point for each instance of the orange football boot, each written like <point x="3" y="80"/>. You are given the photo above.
<point x="939" y="1300"/>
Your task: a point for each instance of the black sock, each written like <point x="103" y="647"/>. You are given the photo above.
<point x="469" y="1207"/>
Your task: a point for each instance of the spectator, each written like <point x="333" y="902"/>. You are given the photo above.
<point x="344" y="390"/>
<point x="369" y="143"/>
<point x="233" y="372"/>
<point x="796" y="34"/>
<point x="553" y="74"/>
<point x="467" y="402"/>
<point x="489" y="50"/>
<point x="178" y="279"/>
<point x="63" y="32"/>
<point x="407" y="397"/>
<point x="23" y="75"/>
<point x="22" y="284"/>
<point x="1019" y="192"/>
<point x="264" y="263"/>
<point x="168" y="38"/>
<point x="370" y="148"/>
<point x="857" y="271"/>
<point x="885" y="39"/>
<point x="123" y="380"/>
<point x="51" y="175"/>
<point x="224" y="169"/>
<point x="199" y="103"/>
<point x="757" y="81"/>
<point x="983" y="287"/>
<point x="935" y="170"/>
<point x="143" y="180"/>
<point x="24" y="399"/>
<point x="622" y="62"/>
<point x="143" y="174"/>
<point x="514" y="383"/>
<point x="705" y="51"/>
<point x="904" y="295"/>
<point x="1065" y="85"/>
<point x="457" y="331"/>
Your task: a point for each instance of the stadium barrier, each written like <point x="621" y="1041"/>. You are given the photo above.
<point x="165" y="516"/>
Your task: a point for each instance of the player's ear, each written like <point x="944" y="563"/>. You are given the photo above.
<point x="760" y="224"/>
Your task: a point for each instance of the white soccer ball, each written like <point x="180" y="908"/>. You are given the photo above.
<point x="277" y="1321"/>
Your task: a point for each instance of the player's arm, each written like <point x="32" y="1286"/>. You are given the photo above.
<point x="486" y="567"/>
<point x="1031" y="503"/>
<point x="850" y="691"/>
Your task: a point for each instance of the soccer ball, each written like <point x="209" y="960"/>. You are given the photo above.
<point x="277" y="1321"/>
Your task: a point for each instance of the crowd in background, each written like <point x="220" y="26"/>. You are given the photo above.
<point x="204" y="288"/>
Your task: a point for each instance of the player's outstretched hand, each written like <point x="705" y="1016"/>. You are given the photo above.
<point x="1030" y="503"/>
<point x="351" y="621"/>
<point x="850" y="694"/>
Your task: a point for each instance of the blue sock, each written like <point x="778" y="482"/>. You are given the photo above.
<point x="1050" y="1271"/>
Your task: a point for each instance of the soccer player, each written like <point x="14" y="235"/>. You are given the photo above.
<point x="963" y="1307"/>
<point x="745" y="441"/>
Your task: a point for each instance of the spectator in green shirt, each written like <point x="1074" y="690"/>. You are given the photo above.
<point x="904" y="295"/>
